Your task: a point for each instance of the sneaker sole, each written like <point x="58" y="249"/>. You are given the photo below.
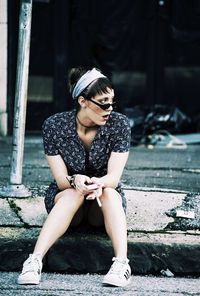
<point x="27" y="282"/>
<point x="116" y="284"/>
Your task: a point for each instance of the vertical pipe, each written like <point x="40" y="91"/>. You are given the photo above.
<point x="21" y="91"/>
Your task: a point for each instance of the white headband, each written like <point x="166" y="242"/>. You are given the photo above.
<point x="85" y="80"/>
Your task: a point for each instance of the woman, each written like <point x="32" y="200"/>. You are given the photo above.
<point x="87" y="150"/>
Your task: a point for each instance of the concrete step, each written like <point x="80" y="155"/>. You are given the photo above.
<point x="157" y="239"/>
<point x="91" y="251"/>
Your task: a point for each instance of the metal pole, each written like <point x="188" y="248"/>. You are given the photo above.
<point x="16" y="188"/>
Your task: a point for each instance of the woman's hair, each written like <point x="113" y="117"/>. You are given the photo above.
<point x="100" y="86"/>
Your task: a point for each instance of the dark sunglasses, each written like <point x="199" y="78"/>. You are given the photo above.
<point x="103" y="106"/>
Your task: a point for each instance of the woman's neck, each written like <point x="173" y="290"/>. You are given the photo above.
<point x="83" y="123"/>
<point x="86" y="130"/>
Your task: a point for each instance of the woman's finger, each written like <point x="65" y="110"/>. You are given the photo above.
<point x="91" y="196"/>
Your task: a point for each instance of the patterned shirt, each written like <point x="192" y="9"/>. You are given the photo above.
<point x="61" y="138"/>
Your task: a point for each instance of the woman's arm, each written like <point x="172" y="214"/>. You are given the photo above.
<point x="59" y="171"/>
<point x="116" y="164"/>
<point x="60" y="174"/>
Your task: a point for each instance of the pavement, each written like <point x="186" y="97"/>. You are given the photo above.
<point x="163" y="215"/>
<point x="64" y="284"/>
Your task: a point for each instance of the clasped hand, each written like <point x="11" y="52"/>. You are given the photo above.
<point x="91" y="188"/>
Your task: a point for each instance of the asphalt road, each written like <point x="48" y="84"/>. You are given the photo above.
<point x="164" y="168"/>
<point x="70" y="285"/>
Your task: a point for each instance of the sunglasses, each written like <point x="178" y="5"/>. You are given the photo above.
<point x="103" y="106"/>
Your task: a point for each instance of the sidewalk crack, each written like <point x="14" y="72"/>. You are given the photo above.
<point x="16" y="209"/>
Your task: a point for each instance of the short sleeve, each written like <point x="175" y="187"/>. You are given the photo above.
<point x="122" y="136"/>
<point x="49" y="138"/>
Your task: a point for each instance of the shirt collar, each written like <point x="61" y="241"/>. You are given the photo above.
<point x="107" y="129"/>
<point x="71" y="126"/>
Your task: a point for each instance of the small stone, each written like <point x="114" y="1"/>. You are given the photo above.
<point x="167" y="273"/>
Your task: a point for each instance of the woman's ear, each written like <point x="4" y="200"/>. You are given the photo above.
<point x="82" y="102"/>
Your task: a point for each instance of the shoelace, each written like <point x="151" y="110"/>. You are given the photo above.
<point x="117" y="266"/>
<point x="31" y="264"/>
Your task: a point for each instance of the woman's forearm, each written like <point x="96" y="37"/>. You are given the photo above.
<point x="109" y="180"/>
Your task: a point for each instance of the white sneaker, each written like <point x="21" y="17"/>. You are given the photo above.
<point x="31" y="272"/>
<point x="119" y="274"/>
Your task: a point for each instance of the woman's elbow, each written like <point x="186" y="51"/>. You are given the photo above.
<point x="61" y="185"/>
<point x="114" y="183"/>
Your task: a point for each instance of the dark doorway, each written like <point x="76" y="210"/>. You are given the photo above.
<point x="150" y="49"/>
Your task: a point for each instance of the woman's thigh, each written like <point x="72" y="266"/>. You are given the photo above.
<point x="90" y="212"/>
<point x="72" y="194"/>
<point x="95" y="214"/>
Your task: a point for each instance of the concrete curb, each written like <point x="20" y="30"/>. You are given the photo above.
<point x="156" y="242"/>
<point x="82" y="252"/>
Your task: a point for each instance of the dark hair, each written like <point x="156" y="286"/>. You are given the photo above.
<point x="100" y="86"/>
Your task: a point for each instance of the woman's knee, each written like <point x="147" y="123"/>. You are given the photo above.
<point x="110" y="194"/>
<point x="69" y="197"/>
<point x="71" y="201"/>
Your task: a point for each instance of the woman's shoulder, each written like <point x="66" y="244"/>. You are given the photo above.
<point x="119" y="119"/>
<point x="58" y="119"/>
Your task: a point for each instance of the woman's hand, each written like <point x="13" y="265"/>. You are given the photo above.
<point x="81" y="182"/>
<point x="96" y="192"/>
<point x="90" y="187"/>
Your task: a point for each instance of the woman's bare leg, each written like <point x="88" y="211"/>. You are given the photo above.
<point x="67" y="204"/>
<point x="115" y="221"/>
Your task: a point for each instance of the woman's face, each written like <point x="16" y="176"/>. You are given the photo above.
<point x="99" y="107"/>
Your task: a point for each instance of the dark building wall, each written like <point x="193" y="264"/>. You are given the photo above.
<point x="149" y="48"/>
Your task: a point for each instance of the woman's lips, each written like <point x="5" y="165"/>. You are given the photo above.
<point x="105" y="117"/>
